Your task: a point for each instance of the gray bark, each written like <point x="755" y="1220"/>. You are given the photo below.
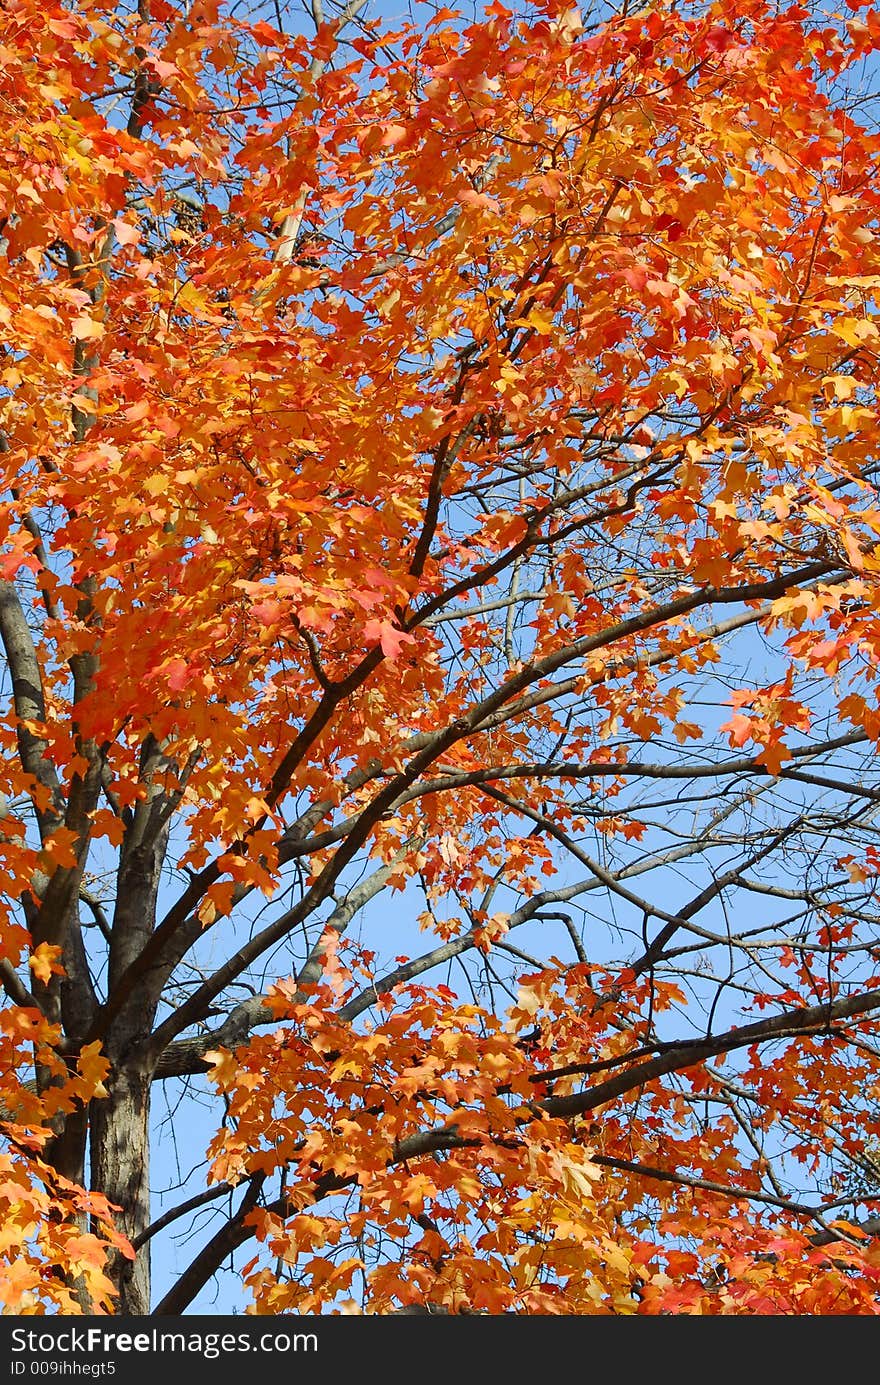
<point x="120" y="1168"/>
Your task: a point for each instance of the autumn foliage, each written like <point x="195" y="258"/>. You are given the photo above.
<point x="440" y="597"/>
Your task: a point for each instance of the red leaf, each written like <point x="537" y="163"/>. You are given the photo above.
<point x="384" y="633"/>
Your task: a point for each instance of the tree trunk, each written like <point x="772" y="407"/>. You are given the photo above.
<point x="119" y="1125"/>
<point x="120" y="1167"/>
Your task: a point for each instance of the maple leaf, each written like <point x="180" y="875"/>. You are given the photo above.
<point x="223" y="1067"/>
<point x="178" y="674"/>
<point x="93" y="1067"/>
<point x="86" y="328"/>
<point x="126" y="232"/>
<point x="773" y="755"/>
<point x="268" y="612"/>
<point x="740" y="728"/>
<point x="389" y="636"/>
<point x="719" y="39"/>
<point x="45" y="962"/>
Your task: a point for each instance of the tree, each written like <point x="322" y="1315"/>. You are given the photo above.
<point x="441" y="617"/>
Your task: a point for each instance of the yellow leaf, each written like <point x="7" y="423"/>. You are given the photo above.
<point x="854" y="330"/>
<point x="93" y="1067"/>
<point x="44" y="962"/>
<point x="224" y="1068"/>
<point x="839" y="386"/>
<point x="538" y="321"/>
<point x="84" y="328"/>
